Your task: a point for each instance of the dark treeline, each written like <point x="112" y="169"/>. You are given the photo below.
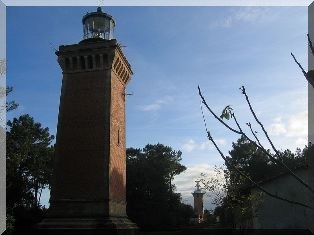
<point x="151" y="200"/>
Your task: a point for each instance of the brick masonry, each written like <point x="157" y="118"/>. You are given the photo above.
<point x="198" y="204"/>
<point x="90" y="167"/>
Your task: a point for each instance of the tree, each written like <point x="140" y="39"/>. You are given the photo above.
<point x="250" y="161"/>
<point x="29" y="157"/>
<point x="10" y="105"/>
<point x="150" y="196"/>
<point x="276" y="158"/>
<point x="232" y="194"/>
<point x="255" y="163"/>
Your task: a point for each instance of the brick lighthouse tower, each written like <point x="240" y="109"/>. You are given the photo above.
<point x="198" y="203"/>
<point x="89" y="183"/>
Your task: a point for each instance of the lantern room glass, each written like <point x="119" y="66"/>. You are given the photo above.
<point x="98" y="25"/>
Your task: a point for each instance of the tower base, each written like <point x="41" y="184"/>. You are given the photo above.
<point x="87" y="226"/>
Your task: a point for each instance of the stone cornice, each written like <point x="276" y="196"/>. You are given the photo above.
<point x="91" y="55"/>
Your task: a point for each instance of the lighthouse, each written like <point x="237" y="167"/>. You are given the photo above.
<point x="88" y="193"/>
<point x="198" y="203"/>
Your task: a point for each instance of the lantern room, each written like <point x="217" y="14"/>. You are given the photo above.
<point x="98" y="25"/>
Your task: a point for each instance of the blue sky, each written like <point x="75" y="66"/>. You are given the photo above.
<point x="171" y="51"/>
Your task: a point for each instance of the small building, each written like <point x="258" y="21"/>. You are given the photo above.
<point x="272" y="213"/>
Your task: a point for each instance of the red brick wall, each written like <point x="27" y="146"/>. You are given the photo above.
<point x="117" y="164"/>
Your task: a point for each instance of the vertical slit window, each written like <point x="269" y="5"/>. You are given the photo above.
<point x="97" y="58"/>
<point x="67" y="63"/>
<point x="118" y="136"/>
<point x="82" y="62"/>
<point x="90" y="62"/>
<point x="105" y="59"/>
<point x="74" y="60"/>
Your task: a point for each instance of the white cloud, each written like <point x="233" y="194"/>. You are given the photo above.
<point x="246" y="15"/>
<point x="292" y="129"/>
<point x="185" y="183"/>
<point x="150" y="107"/>
<point x="191" y="145"/>
<point x="295" y="125"/>
<point x="301" y="141"/>
<point x="278" y="128"/>
<point x="252" y="14"/>
<point x="156" y="105"/>
<point x="298" y="125"/>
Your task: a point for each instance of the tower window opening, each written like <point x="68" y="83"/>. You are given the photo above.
<point x="67" y="63"/>
<point x="97" y="59"/>
<point x="116" y="63"/>
<point x="118" y="67"/>
<point x="90" y="62"/>
<point x="82" y="62"/>
<point x="118" y="136"/>
<point x="74" y="60"/>
<point x="105" y="59"/>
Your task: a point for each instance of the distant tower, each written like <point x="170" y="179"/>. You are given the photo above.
<point x="89" y="182"/>
<point x="198" y="202"/>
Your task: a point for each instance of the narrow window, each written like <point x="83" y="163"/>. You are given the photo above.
<point x="74" y="59"/>
<point x="67" y="63"/>
<point x="82" y="62"/>
<point x="105" y="59"/>
<point x="90" y="62"/>
<point x="97" y="58"/>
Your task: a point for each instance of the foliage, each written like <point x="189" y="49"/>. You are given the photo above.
<point x="10" y="105"/>
<point x="251" y="160"/>
<point x="209" y="217"/>
<point x="29" y="157"/>
<point x="227" y="112"/>
<point x="216" y="184"/>
<point x="232" y="196"/>
<point x="151" y="200"/>
<point x="25" y="218"/>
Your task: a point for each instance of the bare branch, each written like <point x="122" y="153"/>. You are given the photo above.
<point x="307" y="75"/>
<point x="254" y="134"/>
<point x="240" y="132"/>
<point x="271" y="143"/>
<point x="211" y="111"/>
<point x="300" y="66"/>
<point x="210" y="138"/>
<point x="257" y="120"/>
<point x="236" y="121"/>
<point x="310" y="44"/>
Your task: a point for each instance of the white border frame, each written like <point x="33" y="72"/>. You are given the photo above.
<point x="4" y="3"/>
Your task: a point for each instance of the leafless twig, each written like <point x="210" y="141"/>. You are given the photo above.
<point x="210" y="138"/>
<point x="307" y="75"/>
<point x="271" y="143"/>
<point x="240" y="132"/>
<point x="310" y="44"/>
<point x="300" y="66"/>
<point x="253" y="133"/>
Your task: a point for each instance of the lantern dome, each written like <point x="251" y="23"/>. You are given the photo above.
<point x="98" y="25"/>
<point x="198" y="190"/>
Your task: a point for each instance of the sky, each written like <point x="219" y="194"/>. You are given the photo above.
<point x="172" y="50"/>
